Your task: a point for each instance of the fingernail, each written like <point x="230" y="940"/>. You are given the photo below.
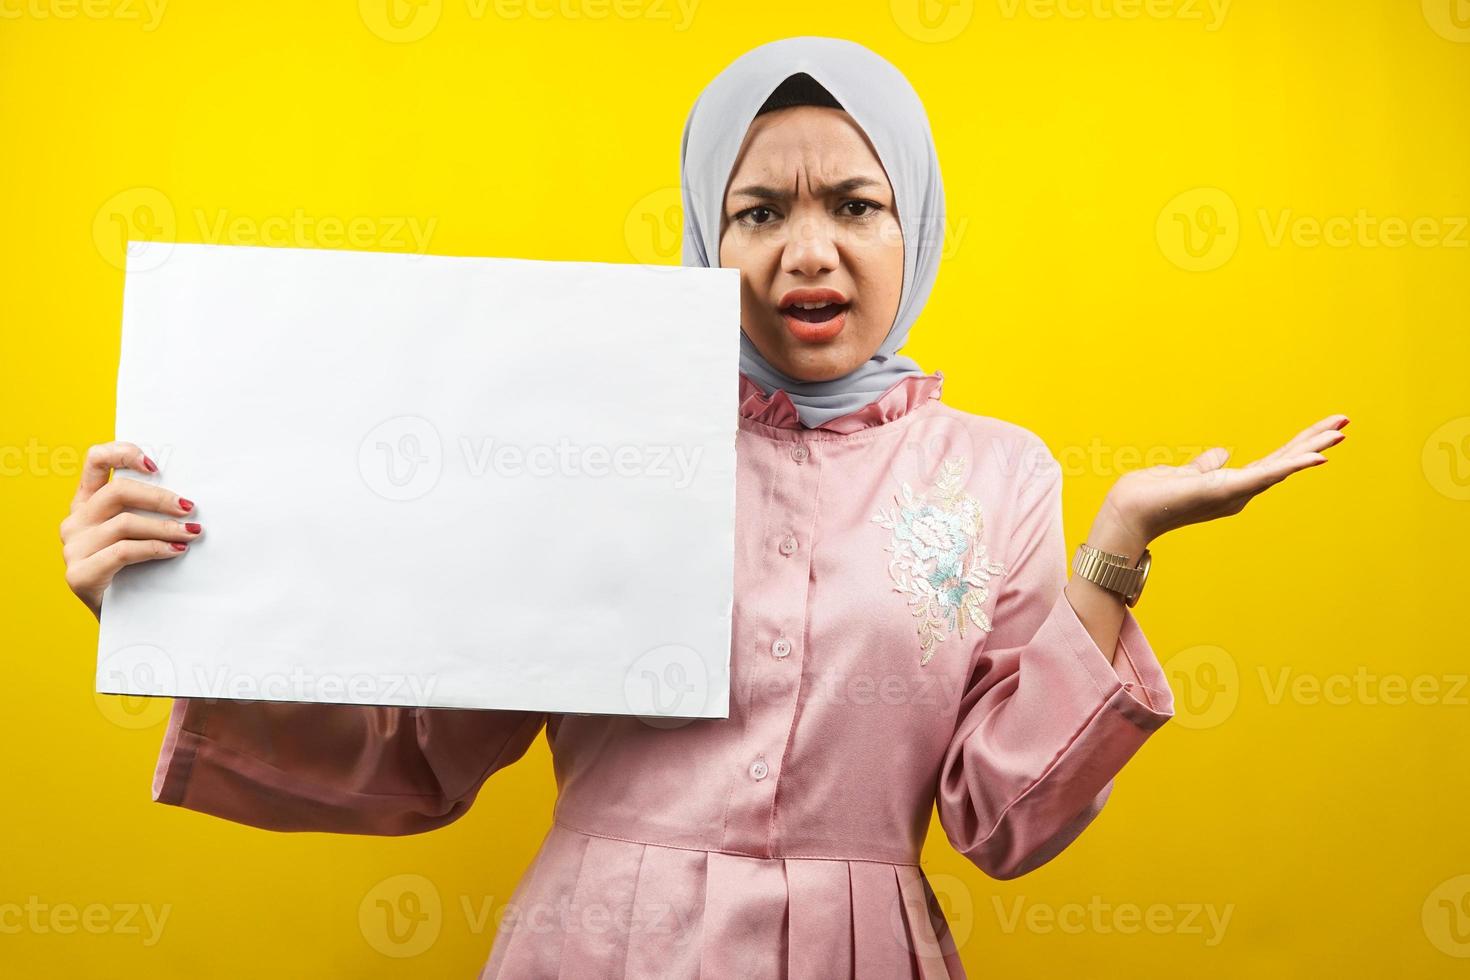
<point x="186" y="504"/>
<point x="177" y="545"/>
<point x="149" y="463"/>
<point x="1343" y="423"/>
<point x="192" y="528"/>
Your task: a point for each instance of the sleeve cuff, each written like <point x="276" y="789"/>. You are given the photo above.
<point x="1135" y="669"/>
<point x="171" y="775"/>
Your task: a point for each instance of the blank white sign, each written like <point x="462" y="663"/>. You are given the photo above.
<point x="431" y="480"/>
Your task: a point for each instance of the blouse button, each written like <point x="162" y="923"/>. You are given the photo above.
<point x="788" y="546"/>
<point x="758" y="769"/>
<point x="800" y="453"/>
<point x="781" y="648"/>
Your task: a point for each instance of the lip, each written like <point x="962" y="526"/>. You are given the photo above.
<point x="809" y="294"/>
<point x="804" y="330"/>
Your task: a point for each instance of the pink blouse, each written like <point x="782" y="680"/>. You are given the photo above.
<point x="901" y="639"/>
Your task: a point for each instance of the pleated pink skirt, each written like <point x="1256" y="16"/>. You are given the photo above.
<point x="597" y="907"/>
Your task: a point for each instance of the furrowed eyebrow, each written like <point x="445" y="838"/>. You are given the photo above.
<point x="770" y="193"/>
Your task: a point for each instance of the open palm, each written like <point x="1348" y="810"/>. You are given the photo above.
<point x="1157" y="499"/>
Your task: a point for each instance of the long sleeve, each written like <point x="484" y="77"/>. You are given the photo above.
<point x="1046" y="721"/>
<point x="337" y="768"/>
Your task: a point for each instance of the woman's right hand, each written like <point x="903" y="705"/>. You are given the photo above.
<point x="99" y="536"/>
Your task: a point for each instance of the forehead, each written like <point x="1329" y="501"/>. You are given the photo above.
<point x="826" y="141"/>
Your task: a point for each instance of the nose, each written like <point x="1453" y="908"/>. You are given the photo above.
<point x="811" y="248"/>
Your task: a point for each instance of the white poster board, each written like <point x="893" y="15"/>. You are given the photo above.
<point x="431" y="480"/>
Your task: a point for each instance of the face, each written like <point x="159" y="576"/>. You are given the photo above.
<point x="810" y="221"/>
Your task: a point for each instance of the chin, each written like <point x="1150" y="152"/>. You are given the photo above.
<point x="816" y="364"/>
<point x="812" y="361"/>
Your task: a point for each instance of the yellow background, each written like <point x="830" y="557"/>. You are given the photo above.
<point x="1080" y="142"/>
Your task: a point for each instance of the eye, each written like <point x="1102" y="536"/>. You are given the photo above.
<point x="870" y="207"/>
<point x="751" y="212"/>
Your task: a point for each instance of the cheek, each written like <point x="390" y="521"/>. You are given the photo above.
<point x="881" y="283"/>
<point x="735" y="254"/>
<point x="757" y="265"/>
<point x="730" y="248"/>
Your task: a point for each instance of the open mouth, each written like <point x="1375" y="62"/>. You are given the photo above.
<point x="814" y="312"/>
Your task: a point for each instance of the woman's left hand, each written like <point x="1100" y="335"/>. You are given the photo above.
<point x="1145" y="503"/>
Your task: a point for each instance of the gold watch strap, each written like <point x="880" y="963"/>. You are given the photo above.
<point x="1113" y="572"/>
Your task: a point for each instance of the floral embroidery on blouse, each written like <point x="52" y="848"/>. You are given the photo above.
<point x="939" y="561"/>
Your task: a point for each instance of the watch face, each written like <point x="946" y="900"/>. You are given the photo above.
<point x="1144" y="562"/>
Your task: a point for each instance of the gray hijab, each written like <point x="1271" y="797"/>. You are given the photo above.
<point x="881" y="101"/>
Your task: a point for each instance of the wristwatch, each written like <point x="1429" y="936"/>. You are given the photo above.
<point x="1113" y="572"/>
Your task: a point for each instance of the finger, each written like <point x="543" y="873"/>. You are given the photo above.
<point x="122" y="493"/>
<point x="1252" y="479"/>
<point x="1298" y="443"/>
<point x="1316" y="443"/>
<point x="128" y="526"/>
<point x="105" y="457"/>
<point x="1321" y="441"/>
<point x="1210" y="459"/>
<point x="95" y="572"/>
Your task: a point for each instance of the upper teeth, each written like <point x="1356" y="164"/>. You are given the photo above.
<point x="811" y="306"/>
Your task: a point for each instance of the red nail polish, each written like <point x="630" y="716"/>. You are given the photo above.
<point x="177" y="545"/>
<point x="1343" y="423"/>
<point x="186" y="504"/>
<point x="149" y="463"/>
<point x="192" y="528"/>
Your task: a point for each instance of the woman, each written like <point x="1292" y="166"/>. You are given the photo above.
<point x="904" y="630"/>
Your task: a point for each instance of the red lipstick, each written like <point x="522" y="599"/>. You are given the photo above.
<point x="814" y="314"/>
